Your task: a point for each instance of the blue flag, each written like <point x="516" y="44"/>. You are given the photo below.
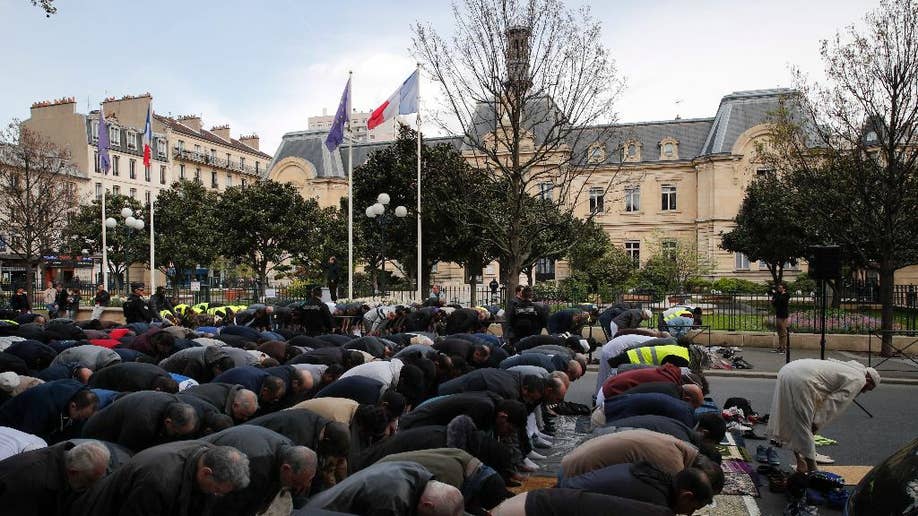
<point x="336" y="133"/>
<point x="105" y="162"/>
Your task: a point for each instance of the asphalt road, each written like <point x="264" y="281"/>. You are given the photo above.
<point x="862" y="441"/>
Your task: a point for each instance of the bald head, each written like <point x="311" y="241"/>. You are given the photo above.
<point x="298" y="467"/>
<point x="244" y="405"/>
<point x="574" y="370"/>
<point x="301" y="382"/>
<point x="439" y="499"/>
<point x="692" y="394"/>
<point x="86" y="463"/>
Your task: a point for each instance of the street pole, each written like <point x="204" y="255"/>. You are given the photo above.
<point x="382" y="278"/>
<point x="822" y="330"/>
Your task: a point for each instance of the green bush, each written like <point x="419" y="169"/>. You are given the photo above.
<point x="740" y="286"/>
<point x="698" y="285"/>
<point x="803" y="283"/>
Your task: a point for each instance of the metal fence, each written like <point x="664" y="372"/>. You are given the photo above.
<point x="851" y="310"/>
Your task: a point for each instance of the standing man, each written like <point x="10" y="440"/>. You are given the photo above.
<point x="136" y="308"/>
<point x="494" y="285"/>
<point x="61" y="301"/>
<point x="780" y="299"/>
<point x="332" y="271"/>
<point x="50" y="294"/>
<point x="810" y="393"/>
<point x="100" y="301"/>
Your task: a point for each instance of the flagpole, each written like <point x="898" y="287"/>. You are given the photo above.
<point x="350" y="195"/>
<point x="152" y="239"/>
<point x="104" y="238"/>
<point x="420" y="260"/>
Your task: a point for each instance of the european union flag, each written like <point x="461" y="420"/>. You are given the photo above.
<point x="336" y="133"/>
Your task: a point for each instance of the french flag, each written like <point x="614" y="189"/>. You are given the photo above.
<point x="148" y="137"/>
<point x="402" y="102"/>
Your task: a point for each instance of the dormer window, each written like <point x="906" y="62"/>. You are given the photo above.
<point x="631" y="152"/>
<point x="132" y="139"/>
<point x="597" y="153"/>
<point x="114" y="136"/>
<point x="94" y="130"/>
<point x="669" y="148"/>
<point x="870" y="137"/>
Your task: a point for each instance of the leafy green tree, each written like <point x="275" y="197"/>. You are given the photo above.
<point x="265" y="225"/>
<point x="769" y="228"/>
<point x="673" y="263"/>
<point x="186" y="228"/>
<point x="331" y="241"/>
<point x="604" y="267"/>
<point x="846" y="145"/>
<point x="125" y="246"/>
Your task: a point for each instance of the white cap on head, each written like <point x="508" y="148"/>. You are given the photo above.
<point x="646" y="313"/>
<point x="874" y="375"/>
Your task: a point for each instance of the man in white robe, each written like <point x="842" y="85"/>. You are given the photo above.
<point x="810" y="393"/>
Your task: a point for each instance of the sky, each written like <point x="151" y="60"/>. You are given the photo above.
<point x="265" y="67"/>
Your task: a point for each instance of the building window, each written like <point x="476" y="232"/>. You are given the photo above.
<point x="669" y="249"/>
<point x="115" y="169"/>
<point x="197" y="148"/>
<point x="94" y="130"/>
<point x="98" y="191"/>
<point x="133" y="192"/>
<point x="545" y="269"/>
<point x="132" y="140"/>
<point x="597" y="154"/>
<point x="229" y="162"/>
<point x="633" y="199"/>
<point x="114" y="135"/>
<point x="257" y="167"/>
<point x="181" y="169"/>
<point x="597" y="200"/>
<point x="545" y="191"/>
<point x="146" y="197"/>
<point x="132" y="168"/>
<point x="181" y="145"/>
<point x="146" y="173"/>
<point x="229" y="180"/>
<point x="668" y="197"/>
<point x="197" y="174"/>
<point x="98" y="163"/>
<point x="161" y="147"/>
<point x="669" y="148"/>
<point x="764" y="171"/>
<point x="631" y="151"/>
<point x="213" y="179"/>
<point x="633" y="249"/>
<point x="162" y="175"/>
<point x="741" y="262"/>
<point x="116" y="190"/>
<point x="241" y="162"/>
<point x="243" y="182"/>
<point x="213" y="155"/>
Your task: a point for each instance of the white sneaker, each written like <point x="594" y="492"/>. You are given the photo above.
<point x="824" y="459"/>
<point x="534" y="455"/>
<point x="538" y="442"/>
<point x="544" y="437"/>
<point x="528" y="465"/>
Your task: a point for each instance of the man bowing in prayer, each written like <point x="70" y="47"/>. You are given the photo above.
<point x="810" y="393"/>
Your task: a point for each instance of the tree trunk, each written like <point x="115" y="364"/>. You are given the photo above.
<point x="887" y="278"/>
<point x="473" y="294"/>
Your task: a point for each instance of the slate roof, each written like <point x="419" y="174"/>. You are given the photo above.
<point x="697" y="137"/>
<point x="179" y="127"/>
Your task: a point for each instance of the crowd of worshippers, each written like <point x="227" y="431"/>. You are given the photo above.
<point x="267" y="414"/>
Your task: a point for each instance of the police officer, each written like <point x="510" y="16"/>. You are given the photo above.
<point x="526" y="318"/>
<point x="315" y="315"/>
<point x="136" y="308"/>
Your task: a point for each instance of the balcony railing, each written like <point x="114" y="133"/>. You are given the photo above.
<point x="214" y="161"/>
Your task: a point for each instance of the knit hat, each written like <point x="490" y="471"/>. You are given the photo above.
<point x="9" y="381"/>
<point x="646" y="313"/>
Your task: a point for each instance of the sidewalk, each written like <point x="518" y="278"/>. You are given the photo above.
<point x="766" y="364"/>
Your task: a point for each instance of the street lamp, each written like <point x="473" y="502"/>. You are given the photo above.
<point x="378" y="211"/>
<point x="130" y="223"/>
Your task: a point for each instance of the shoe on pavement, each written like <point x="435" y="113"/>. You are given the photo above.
<point x="773" y="458"/>
<point x="538" y="442"/>
<point x="534" y="455"/>
<point x="824" y="459"/>
<point x="530" y="466"/>
<point x="761" y="454"/>
<point x="544" y="436"/>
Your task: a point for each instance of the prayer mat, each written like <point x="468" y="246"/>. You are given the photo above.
<point x="570" y="431"/>
<point x="824" y="441"/>
<point x="852" y="474"/>
<point x="724" y="505"/>
<point x="739" y="484"/>
<point x="730" y="452"/>
<point x="534" y="482"/>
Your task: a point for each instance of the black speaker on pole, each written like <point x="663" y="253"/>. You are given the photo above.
<point x="824" y="261"/>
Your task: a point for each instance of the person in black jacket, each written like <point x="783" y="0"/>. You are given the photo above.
<point x="52" y="410"/>
<point x="159" y="301"/>
<point x="780" y="299"/>
<point x="20" y="301"/>
<point x="525" y="318"/>
<point x="332" y="271"/>
<point x="48" y="480"/>
<point x="314" y="314"/>
<point x="136" y="308"/>
<point x="487" y="410"/>
<point x="61" y="301"/>
<point x="132" y="377"/>
<point x="143" y="419"/>
<point x="100" y="301"/>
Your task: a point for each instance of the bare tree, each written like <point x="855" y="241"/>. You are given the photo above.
<point x="37" y="192"/>
<point x="531" y="89"/>
<point x="847" y="146"/>
<point x="46" y="5"/>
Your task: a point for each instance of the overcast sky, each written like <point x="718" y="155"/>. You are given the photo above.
<point x="266" y="66"/>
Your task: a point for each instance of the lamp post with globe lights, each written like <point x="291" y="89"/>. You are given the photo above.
<point x="130" y="224"/>
<point x="378" y="211"/>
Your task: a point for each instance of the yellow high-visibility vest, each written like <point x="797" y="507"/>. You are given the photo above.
<point x="654" y="355"/>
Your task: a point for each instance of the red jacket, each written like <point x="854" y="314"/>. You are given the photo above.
<point x="615" y="385"/>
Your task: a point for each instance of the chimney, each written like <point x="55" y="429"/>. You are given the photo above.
<point x="52" y="108"/>
<point x="223" y="131"/>
<point x="250" y="140"/>
<point x="191" y="121"/>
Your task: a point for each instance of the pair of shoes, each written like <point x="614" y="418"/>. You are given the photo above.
<point x="530" y="466"/>
<point x="736" y="426"/>
<point x="739" y="363"/>
<point x="538" y="442"/>
<point x="543" y="435"/>
<point x="761" y="454"/>
<point x="773" y="458"/>
<point x="778" y="350"/>
<point x="750" y="434"/>
<point x="534" y="455"/>
<point x="824" y="459"/>
<point x="569" y="408"/>
<point x="777" y="481"/>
